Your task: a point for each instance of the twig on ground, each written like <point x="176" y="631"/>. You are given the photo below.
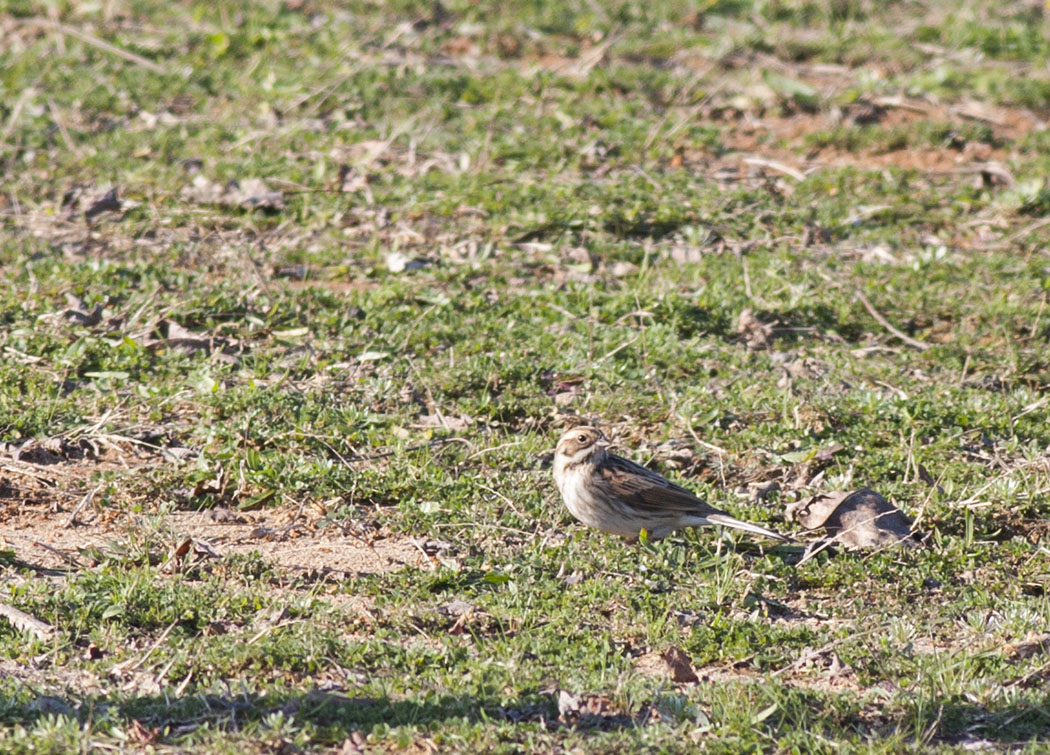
<point x="787" y="170"/>
<point x="28" y="473"/>
<point x="64" y="556"/>
<point x="102" y="44"/>
<point x="902" y="104"/>
<point x="616" y="351"/>
<point x="823" y="545"/>
<point x="266" y="630"/>
<point x="16" y="112"/>
<point x="1007" y="240"/>
<point x="919" y="345"/>
<point x="84" y="502"/>
<point x="152" y="648"/>
<point x="809" y="654"/>
<point x="26" y="623"/>
<point x="56" y="118"/>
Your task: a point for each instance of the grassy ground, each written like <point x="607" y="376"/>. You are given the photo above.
<point x="277" y="414"/>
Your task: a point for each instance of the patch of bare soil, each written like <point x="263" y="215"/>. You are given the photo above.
<point x="44" y="541"/>
<point x="297" y="548"/>
<point x="758" y="135"/>
<point x="53" y="684"/>
<point x="814" y="670"/>
<point x="50" y="519"/>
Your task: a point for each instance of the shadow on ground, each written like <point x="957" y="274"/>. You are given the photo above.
<point x="159" y="720"/>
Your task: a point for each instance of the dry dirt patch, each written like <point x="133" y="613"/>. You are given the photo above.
<point x="42" y="540"/>
<point x="48" y="518"/>
<point x="783" y="138"/>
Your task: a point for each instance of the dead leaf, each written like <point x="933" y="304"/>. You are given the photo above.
<point x="182" y="550"/>
<point x="1031" y="646"/>
<point x="202" y="191"/>
<point x="795" y="367"/>
<point x="79" y="313"/>
<point x="836" y="668"/>
<point x="573" y="579"/>
<point x="108" y="202"/>
<point x="577" y="260"/>
<point x="812" y="512"/>
<point x="590" y="711"/>
<point x="142" y="734"/>
<point x="203" y="549"/>
<point x="171" y="335"/>
<point x="53" y="450"/>
<point x="861" y="519"/>
<point x="253" y="193"/>
<point x="355" y="744"/>
<point x="175" y="331"/>
<point x="673" y="664"/>
<point x="828" y="451"/>
<point x="685" y="254"/>
<point x="350" y="180"/>
<point x="211" y="485"/>
<point x="564" y="398"/>
<point x="755" y="333"/>
<point x="457" y="608"/>
<point x="399" y="262"/>
<point x="463" y="613"/>
<point x="448" y="422"/>
<point x="94" y="653"/>
<point x="249" y="194"/>
<point x="568" y="704"/>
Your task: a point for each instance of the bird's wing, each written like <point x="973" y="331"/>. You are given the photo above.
<point x="645" y="490"/>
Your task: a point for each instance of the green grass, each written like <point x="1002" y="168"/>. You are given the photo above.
<point x="564" y="188"/>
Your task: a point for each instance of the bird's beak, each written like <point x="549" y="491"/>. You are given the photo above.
<point x="602" y="442"/>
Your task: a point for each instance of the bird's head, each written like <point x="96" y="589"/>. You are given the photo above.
<point x="581" y="444"/>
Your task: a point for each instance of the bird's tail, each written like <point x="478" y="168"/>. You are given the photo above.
<point x="727" y="521"/>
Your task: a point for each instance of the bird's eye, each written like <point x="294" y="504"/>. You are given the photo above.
<point x="582" y="438"/>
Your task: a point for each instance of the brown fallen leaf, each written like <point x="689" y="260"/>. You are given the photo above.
<point x="170" y="335"/>
<point x="1034" y="644"/>
<point x="181" y="551"/>
<point x="93" y="653"/>
<point x="463" y="614"/>
<point x="79" y="313"/>
<point x="142" y="734"/>
<point x="861" y="519"/>
<point x="755" y="333"/>
<point x="108" y="202"/>
<point x="211" y="485"/>
<point x="355" y="744"/>
<point x="587" y="711"/>
<point x="53" y="450"/>
<point x="673" y="664"/>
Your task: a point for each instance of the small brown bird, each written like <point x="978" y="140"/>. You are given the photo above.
<point x="615" y="495"/>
